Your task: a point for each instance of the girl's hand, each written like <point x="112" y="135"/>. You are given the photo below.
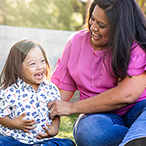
<point x="52" y="131"/>
<point x="22" y="124"/>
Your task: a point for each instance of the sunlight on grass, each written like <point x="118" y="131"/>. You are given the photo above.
<point x="66" y="126"/>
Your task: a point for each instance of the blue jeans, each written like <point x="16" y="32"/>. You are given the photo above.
<point x="109" y="129"/>
<point x="9" y="141"/>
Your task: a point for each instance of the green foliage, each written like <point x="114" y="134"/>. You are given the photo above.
<point x="66" y="126"/>
<point x="49" y="14"/>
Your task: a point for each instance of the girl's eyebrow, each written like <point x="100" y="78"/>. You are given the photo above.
<point x="34" y="60"/>
<point x="30" y="61"/>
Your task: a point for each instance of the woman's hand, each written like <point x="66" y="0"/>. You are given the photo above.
<point x="60" y="108"/>
<point x="52" y="131"/>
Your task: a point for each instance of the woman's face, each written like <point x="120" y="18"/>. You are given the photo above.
<point x="34" y="67"/>
<point x="99" y="27"/>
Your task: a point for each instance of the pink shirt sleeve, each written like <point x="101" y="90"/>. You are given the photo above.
<point x="61" y="76"/>
<point x="137" y="63"/>
<point x="137" y="66"/>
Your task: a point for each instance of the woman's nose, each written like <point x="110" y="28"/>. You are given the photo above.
<point x="95" y="27"/>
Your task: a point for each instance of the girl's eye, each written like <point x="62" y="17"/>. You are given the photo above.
<point x="43" y="60"/>
<point x="32" y="64"/>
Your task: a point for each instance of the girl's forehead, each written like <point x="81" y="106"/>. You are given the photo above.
<point x="35" y="49"/>
<point x="35" y="52"/>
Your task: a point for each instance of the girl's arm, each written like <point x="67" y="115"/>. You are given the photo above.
<point x="18" y="123"/>
<point x="52" y="129"/>
<point x="126" y="92"/>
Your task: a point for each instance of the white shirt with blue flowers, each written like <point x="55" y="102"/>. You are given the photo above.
<point x="22" y="98"/>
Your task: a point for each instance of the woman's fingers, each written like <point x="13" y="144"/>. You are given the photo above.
<point x="50" y="104"/>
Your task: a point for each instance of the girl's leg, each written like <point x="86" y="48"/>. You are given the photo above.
<point x="136" y="120"/>
<point x="107" y="129"/>
<point x="9" y="141"/>
<point x="58" y="142"/>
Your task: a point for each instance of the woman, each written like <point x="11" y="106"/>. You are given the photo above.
<point x="106" y="62"/>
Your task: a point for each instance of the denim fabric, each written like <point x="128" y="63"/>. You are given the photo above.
<point x="9" y="141"/>
<point x="110" y="129"/>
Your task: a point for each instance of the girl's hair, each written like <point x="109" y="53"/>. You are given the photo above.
<point x="127" y="24"/>
<point x="13" y="66"/>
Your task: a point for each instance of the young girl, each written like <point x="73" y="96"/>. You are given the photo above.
<point x="24" y="95"/>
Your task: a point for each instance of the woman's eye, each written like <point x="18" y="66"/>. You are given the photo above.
<point x="92" y="18"/>
<point x="102" y="25"/>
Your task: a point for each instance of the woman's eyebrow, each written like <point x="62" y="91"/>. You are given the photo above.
<point x="98" y="21"/>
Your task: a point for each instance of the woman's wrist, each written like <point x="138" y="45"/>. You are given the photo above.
<point x="72" y="108"/>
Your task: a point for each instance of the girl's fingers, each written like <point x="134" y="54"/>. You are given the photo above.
<point x="25" y="130"/>
<point x="29" y="127"/>
<point x="49" y="126"/>
<point x="46" y="130"/>
<point x="30" y="121"/>
<point x="41" y="136"/>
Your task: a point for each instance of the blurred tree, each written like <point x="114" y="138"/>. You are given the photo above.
<point x="3" y="12"/>
<point x="142" y="4"/>
<point x="49" y="14"/>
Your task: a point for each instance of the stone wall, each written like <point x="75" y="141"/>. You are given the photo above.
<point x="52" y="41"/>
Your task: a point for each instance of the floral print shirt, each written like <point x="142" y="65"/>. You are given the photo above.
<point x="22" y="98"/>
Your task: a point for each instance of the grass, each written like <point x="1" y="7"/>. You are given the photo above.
<point x="66" y="126"/>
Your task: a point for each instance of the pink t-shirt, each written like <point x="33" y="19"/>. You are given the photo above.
<point x="81" y="68"/>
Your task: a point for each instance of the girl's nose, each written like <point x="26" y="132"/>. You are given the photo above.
<point x="39" y="66"/>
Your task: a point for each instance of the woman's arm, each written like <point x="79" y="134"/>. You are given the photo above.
<point x="126" y="92"/>
<point x="66" y="95"/>
<point x="18" y="123"/>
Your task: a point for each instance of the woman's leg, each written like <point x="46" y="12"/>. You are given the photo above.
<point x="107" y="129"/>
<point x="9" y="141"/>
<point x="136" y="120"/>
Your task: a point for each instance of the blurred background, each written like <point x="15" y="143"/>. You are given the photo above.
<point x="47" y="14"/>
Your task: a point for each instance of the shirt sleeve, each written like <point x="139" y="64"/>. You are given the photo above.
<point x="4" y="105"/>
<point x="137" y="63"/>
<point x="61" y="76"/>
<point x="56" y="92"/>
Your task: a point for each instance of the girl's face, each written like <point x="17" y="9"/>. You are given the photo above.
<point x="34" y="67"/>
<point x="99" y="29"/>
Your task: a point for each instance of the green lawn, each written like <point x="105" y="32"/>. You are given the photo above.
<point x="66" y="126"/>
